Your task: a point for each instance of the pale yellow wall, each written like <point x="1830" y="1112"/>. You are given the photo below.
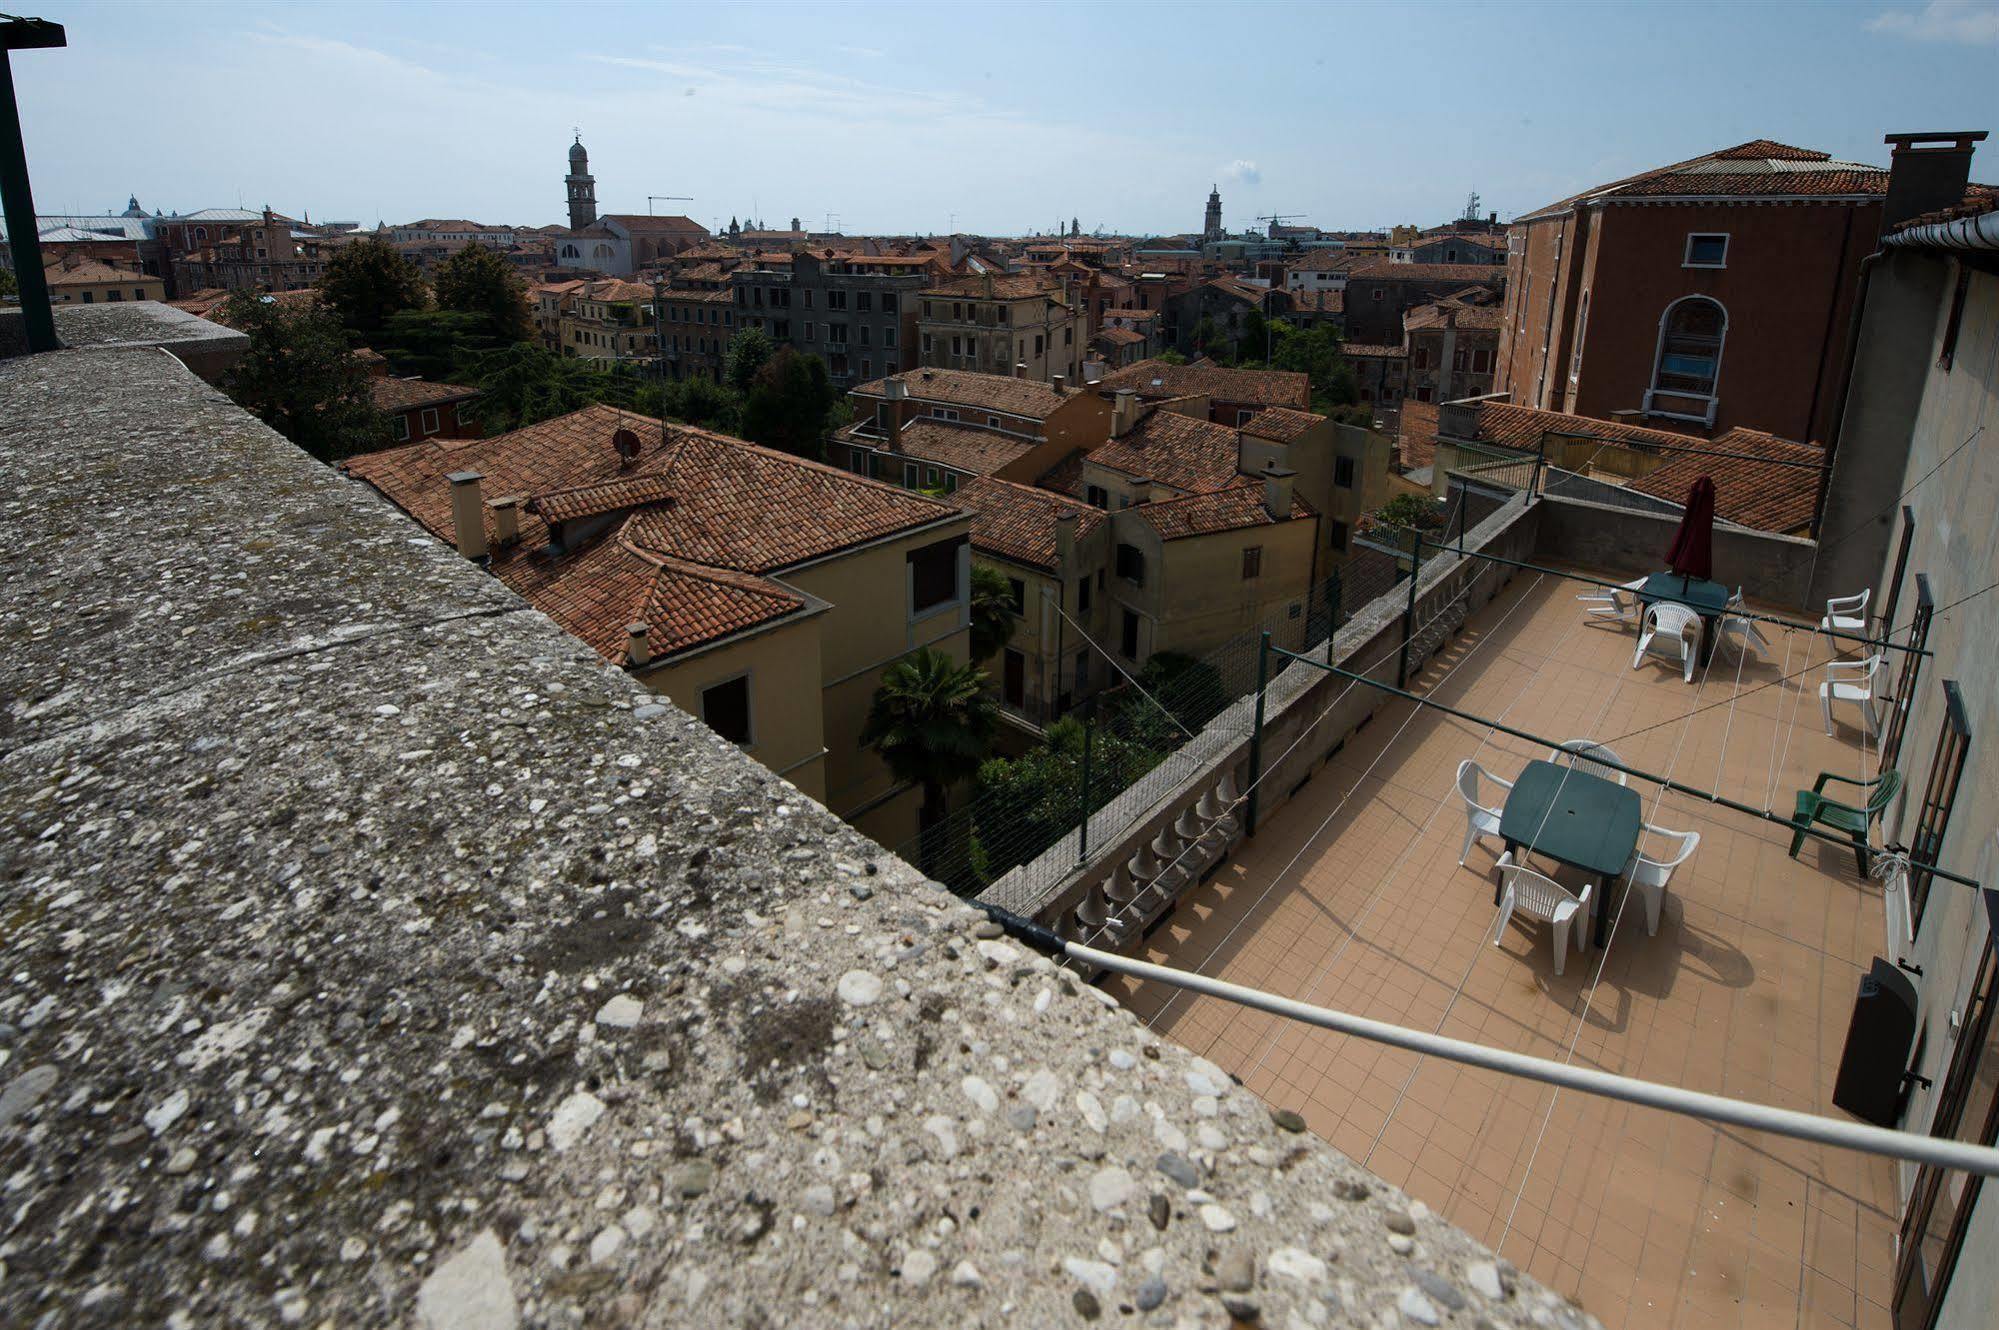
<point x="868" y="629"/>
<point x="1195" y="596"/>
<point x="126" y="288"/>
<point x="786" y="721"/>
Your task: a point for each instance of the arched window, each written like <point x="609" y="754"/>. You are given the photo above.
<point x="1690" y="338"/>
<point x="571" y="252"/>
<point x="201" y="233"/>
<point x="602" y="251"/>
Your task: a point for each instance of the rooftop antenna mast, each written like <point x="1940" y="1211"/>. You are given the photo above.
<point x="665" y="198"/>
<point x="1471" y="207"/>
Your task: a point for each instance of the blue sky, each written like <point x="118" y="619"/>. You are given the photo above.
<point x="999" y="119"/>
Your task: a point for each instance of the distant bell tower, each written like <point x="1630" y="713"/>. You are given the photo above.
<point x="1211" y="227"/>
<point x="582" y="187"/>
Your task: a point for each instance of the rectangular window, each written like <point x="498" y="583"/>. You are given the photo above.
<point x="1099" y="497"/>
<point x="992" y="422"/>
<point x="930" y="475"/>
<point x="1082" y="595"/>
<point x="888" y="338"/>
<point x="1343" y="472"/>
<point x="1131" y="565"/>
<point x="1128" y="640"/>
<point x="430" y="420"/>
<point x="726" y="708"/>
<point x="836" y="300"/>
<point x="933" y="575"/>
<point x="1339" y="537"/>
<point x="1082" y="670"/>
<point x="888" y="304"/>
<point x="1706" y="250"/>
<point x="1038" y="343"/>
<point x="909" y="475"/>
<point x="402" y="427"/>
<point x="808" y="297"/>
<point x="1252" y="562"/>
<point x="808" y="332"/>
<point x="1016" y="595"/>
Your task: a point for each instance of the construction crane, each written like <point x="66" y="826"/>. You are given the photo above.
<point x="665" y="198"/>
<point x="1277" y="219"/>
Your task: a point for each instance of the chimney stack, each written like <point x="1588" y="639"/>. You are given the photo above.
<point x="468" y="517"/>
<point x="1277" y="483"/>
<point x="636" y="650"/>
<point x="1124" y="412"/>
<point x="1020" y="369"/>
<point x="1093" y="371"/>
<point x="897" y="393"/>
<point x="1926" y="172"/>
<point x="1065" y="541"/>
<point x="506" y="519"/>
<point x="1059" y="383"/>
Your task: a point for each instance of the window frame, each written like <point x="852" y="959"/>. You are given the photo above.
<point x="430" y="421"/>
<point x="951" y="547"/>
<point x="1687" y="254"/>
<point x="1252" y="562"/>
<point x="1344" y="472"/>
<point x="1713" y="394"/>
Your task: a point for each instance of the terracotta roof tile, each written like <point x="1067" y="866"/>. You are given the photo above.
<point x="1000" y="393"/>
<point x="1185" y="452"/>
<point x="1760" y="168"/>
<point x="1282" y="423"/>
<point x="721" y="511"/>
<point x="1373" y="350"/>
<point x="1416" y="434"/>
<point x="968" y="448"/>
<point x="1017" y="522"/>
<point x="1231" y="509"/>
<point x="392" y="394"/>
<point x="1005" y="286"/>
<point x="1388" y="270"/>
<point x="1119" y="336"/>
<point x="1261" y="387"/>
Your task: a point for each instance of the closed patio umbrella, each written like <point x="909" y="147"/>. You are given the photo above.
<point x="1692" y="551"/>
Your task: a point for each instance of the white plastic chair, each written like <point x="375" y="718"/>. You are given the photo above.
<point x="1583" y="755"/>
<point x="1529" y="892"/>
<point x="1670" y="629"/>
<point x="1845" y="614"/>
<point x="1853" y="681"/>
<point x="1651" y="875"/>
<point x="1748" y="637"/>
<point x="1618" y="604"/>
<point x="1479" y="819"/>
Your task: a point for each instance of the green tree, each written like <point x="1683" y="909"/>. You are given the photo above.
<point x="749" y="351"/>
<point x="699" y="401"/>
<point x="993" y="620"/>
<point x="521" y="384"/>
<point x="932" y="721"/>
<point x="476" y="280"/>
<point x="8" y="286"/>
<point x="300" y="378"/>
<point x="790" y="405"/>
<point x="367" y="281"/>
<point x="1170" y="357"/>
<point x="444" y="345"/>
<point x="1023" y="805"/>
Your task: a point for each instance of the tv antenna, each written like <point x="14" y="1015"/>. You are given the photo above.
<point x="665" y="198"/>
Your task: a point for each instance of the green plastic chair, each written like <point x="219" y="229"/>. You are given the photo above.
<point x="1813" y="806"/>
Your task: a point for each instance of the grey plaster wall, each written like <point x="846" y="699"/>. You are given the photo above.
<point x="377" y="956"/>
<point x="1771" y="569"/>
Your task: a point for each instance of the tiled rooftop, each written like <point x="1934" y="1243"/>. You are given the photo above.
<point x="1351" y="896"/>
<point x="1266" y="387"/>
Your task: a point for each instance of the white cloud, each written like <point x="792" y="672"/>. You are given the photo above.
<point x="1242" y="171"/>
<point x="864" y="52"/>
<point x="1964" y="22"/>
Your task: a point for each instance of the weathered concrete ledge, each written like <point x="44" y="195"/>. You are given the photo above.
<point x="375" y="956"/>
<point x="207" y="348"/>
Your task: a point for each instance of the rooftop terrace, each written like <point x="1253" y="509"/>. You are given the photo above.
<point x="1351" y="896"/>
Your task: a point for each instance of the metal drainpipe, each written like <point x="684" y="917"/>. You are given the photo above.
<point x="1867" y="266"/>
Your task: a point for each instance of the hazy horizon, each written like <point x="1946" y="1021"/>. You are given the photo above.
<point x="885" y="118"/>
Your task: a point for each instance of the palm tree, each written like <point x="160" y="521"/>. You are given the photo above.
<point x="992" y="611"/>
<point x="932" y="720"/>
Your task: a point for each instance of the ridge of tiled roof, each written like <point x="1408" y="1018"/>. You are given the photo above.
<point x="970" y="448"/>
<point x="1760" y="168"/>
<point x="645" y="222"/>
<point x="1372" y="350"/>
<point x="1120" y="336"/>
<point x="1263" y="387"/>
<point x="1439" y="313"/>
<point x="1978" y="200"/>
<point x="1017" y="522"/>
<point x="1001" y="393"/>
<point x="605" y="496"/>
<point x="1189" y="453"/>
<point x="1233" y="508"/>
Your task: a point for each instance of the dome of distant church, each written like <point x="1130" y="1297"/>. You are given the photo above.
<point x="577" y="152"/>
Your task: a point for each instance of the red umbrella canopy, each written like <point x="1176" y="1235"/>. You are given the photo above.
<point x="1692" y="552"/>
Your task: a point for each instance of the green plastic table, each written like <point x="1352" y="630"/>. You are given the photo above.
<point x="1705" y="598"/>
<point x="1574" y="818"/>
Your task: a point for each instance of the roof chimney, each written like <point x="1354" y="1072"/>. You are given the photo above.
<point x="468" y="518"/>
<point x="1059" y="383"/>
<point x="1020" y="369"/>
<point x="636" y="650"/>
<point x="896" y="392"/>
<point x="506" y="519"/>
<point x="1277" y="483"/>
<point x="1124" y="412"/>
<point x="1926" y="172"/>
<point x="1065" y="540"/>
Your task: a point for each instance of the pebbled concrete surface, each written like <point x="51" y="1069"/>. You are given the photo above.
<point x="375" y="956"/>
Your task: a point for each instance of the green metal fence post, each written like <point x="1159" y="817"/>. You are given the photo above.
<point x="1409" y="615"/>
<point x="1335" y="599"/>
<point x="1256" y="735"/>
<point x="1083" y="794"/>
<point x="1464" y="517"/>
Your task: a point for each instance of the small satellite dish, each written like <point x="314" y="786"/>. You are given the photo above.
<point x="627" y="443"/>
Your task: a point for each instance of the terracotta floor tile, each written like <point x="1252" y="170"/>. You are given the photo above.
<point x="1745" y="989"/>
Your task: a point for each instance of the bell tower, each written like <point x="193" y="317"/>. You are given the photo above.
<point x="1211" y="225"/>
<point x="582" y="187"/>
